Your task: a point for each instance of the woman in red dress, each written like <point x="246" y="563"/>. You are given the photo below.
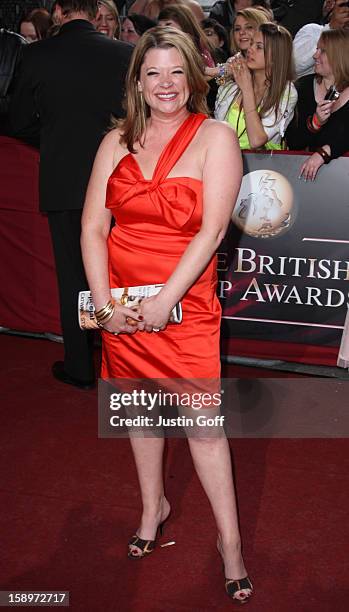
<point x="170" y="176"/>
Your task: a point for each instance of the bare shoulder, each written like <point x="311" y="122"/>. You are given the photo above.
<point x="111" y="147"/>
<point x="217" y="134"/>
<point x="111" y="139"/>
<point x="218" y="127"/>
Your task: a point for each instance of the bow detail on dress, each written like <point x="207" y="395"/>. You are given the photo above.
<point x="174" y="201"/>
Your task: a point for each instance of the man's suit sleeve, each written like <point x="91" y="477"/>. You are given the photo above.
<point x="24" y="116"/>
<point x="118" y="110"/>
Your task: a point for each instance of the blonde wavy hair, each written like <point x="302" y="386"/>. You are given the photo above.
<point x="336" y="45"/>
<point x="255" y="16"/>
<point x="111" y="6"/>
<point x="132" y="128"/>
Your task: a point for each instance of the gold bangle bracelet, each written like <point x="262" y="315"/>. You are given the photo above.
<point x="250" y="111"/>
<point x="106" y="318"/>
<point x="105" y="308"/>
<point x="104" y="314"/>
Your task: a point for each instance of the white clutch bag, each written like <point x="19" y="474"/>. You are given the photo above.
<point x="127" y="296"/>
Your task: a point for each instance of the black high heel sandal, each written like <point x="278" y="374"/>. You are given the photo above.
<point x="236" y="589"/>
<point x="146" y="546"/>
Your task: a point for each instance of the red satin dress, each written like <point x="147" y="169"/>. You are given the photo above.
<point x="155" y="221"/>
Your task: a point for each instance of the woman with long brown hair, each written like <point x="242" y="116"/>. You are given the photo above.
<point x="322" y="120"/>
<point x="36" y="25"/>
<point x="260" y="103"/>
<point x="163" y="174"/>
<point x="180" y="16"/>
<point x="246" y="23"/>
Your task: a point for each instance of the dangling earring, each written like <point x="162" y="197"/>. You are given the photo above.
<point x="142" y="104"/>
<point x="142" y="109"/>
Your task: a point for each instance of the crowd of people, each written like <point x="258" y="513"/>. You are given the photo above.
<point x="169" y="173"/>
<point x="254" y="71"/>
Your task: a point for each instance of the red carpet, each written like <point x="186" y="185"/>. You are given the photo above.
<point x="69" y="502"/>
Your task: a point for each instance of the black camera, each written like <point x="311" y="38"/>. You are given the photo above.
<point x="332" y="94"/>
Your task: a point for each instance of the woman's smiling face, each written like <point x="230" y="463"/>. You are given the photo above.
<point x="322" y="65"/>
<point x="243" y="32"/>
<point x="163" y="80"/>
<point x="106" y="22"/>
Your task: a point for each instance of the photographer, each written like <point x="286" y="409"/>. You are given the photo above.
<point x="322" y="124"/>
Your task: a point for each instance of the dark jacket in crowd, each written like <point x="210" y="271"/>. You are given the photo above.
<point x="334" y="133"/>
<point x="66" y="90"/>
<point x="223" y="12"/>
<point x="294" y="14"/>
<point x="11" y="46"/>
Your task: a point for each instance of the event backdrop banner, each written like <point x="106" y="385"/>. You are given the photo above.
<point x="284" y="264"/>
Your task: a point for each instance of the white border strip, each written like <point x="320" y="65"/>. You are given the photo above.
<point x="325" y="240"/>
<point x="284" y="322"/>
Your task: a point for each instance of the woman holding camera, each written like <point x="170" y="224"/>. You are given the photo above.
<point x="322" y="120"/>
<point x="260" y="103"/>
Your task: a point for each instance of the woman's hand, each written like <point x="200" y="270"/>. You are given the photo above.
<point x="155" y="312"/>
<point x="324" y="110"/>
<point x="310" y="168"/>
<point x="123" y="321"/>
<point x="211" y="72"/>
<point x="240" y="72"/>
<point x="229" y="67"/>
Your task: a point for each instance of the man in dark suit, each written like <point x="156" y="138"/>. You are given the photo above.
<point x="68" y="86"/>
<point x="11" y="48"/>
<point x="294" y="14"/>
